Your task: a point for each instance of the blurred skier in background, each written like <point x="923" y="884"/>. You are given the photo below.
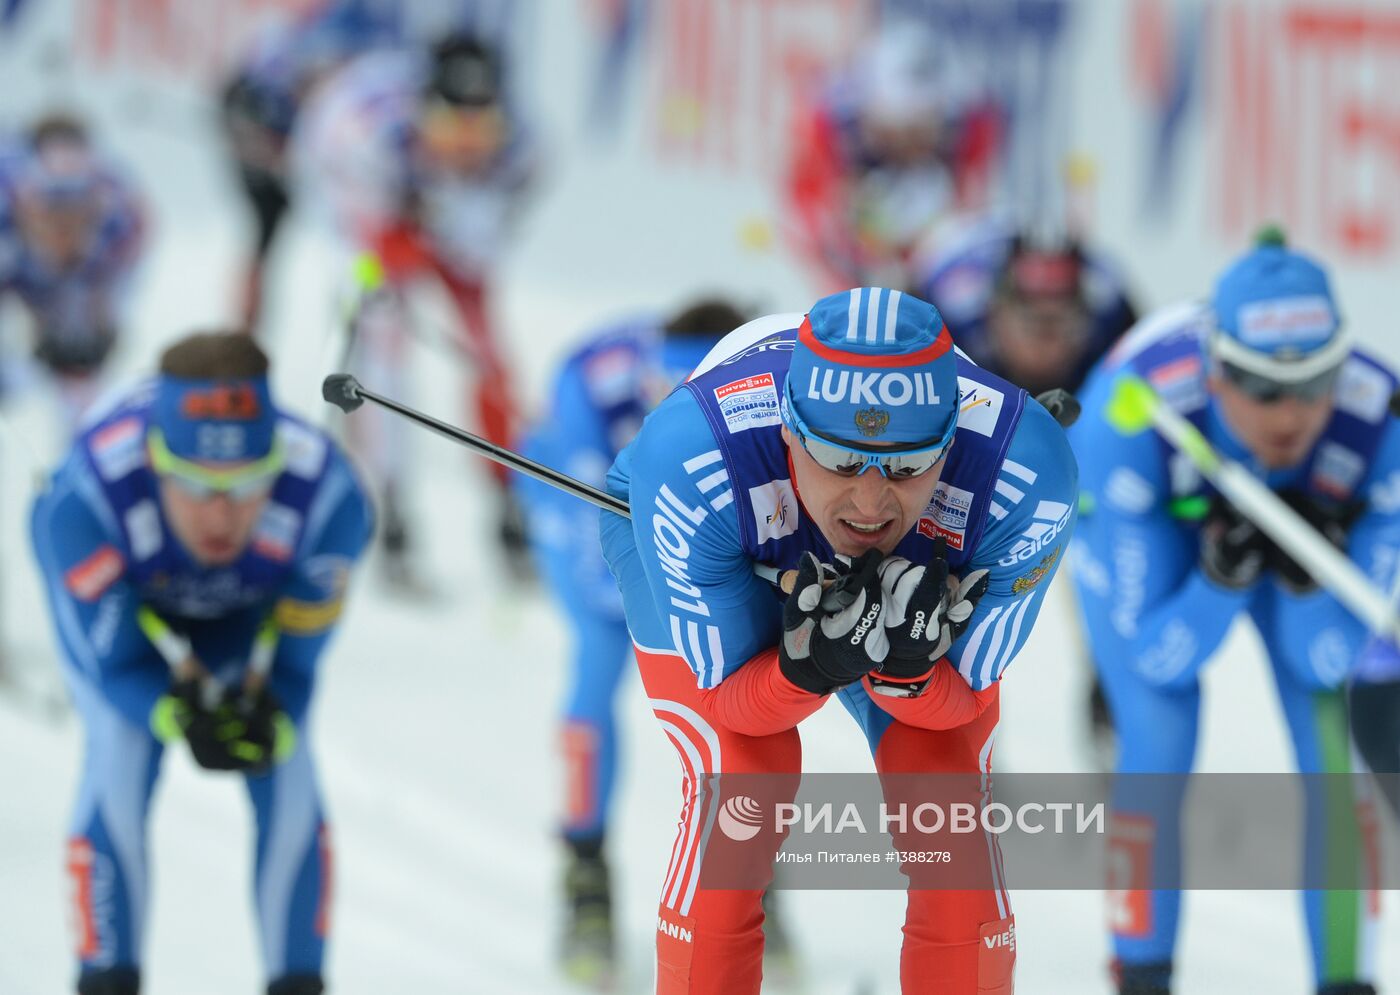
<point x="72" y="231"/>
<point x="1164" y="564"/>
<point x="194" y="534"/>
<point x="260" y="102"/>
<point x="425" y="163"/>
<point x="1040" y="310"/>
<point x="600" y="396"/>
<point x="883" y="152"/>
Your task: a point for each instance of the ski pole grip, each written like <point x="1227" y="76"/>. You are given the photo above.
<point x="342" y="390"/>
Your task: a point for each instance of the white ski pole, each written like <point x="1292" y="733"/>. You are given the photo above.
<point x="1135" y="407"/>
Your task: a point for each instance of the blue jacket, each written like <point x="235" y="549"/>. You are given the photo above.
<point x="1146" y="602"/>
<point x="711" y="494"/>
<point x="105" y="549"/>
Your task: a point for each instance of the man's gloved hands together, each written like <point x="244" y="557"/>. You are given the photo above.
<point x="924" y="615"/>
<point x="1235" y="553"/>
<point x="238" y="731"/>
<point x="876" y="613"/>
<point x="832" y="635"/>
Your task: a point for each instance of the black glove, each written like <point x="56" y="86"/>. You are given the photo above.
<point x="236" y="732"/>
<point x="269" y="736"/>
<point x="1233" y="551"/>
<point x="833" y="637"/>
<point x="924" y="616"/>
<point x="1333" y="519"/>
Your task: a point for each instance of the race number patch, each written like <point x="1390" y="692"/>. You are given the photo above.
<point x="946" y="515"/>
<point x="748" y="403"/>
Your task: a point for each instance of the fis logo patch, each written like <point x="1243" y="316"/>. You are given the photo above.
<point x="305" y="447"/>
<point x="1337" y="470"/>
<point x="774" y="509"/>
<point x="1180" y="383"/>
<point x="1363" y="391"/>
<point x="979" y="407"/>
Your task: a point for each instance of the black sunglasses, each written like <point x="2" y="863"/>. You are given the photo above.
<point x="1267" y="390"/>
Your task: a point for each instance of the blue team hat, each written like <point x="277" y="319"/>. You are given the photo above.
<point x="1275" y="315"/>
<point x="225" y="420"/>
<point x="874" y="366"/>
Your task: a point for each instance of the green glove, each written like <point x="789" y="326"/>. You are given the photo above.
<point x="249" y="733"/>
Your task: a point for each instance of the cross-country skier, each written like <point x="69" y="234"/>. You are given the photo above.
<point x="883" y="152"/>
<point x="193" y="531"/>
<point x="1037" y="309"/>
<point x="852" y="443"/>
<point x="424" y="161"/>
<point x="261" y="99"/>
<point x="71" y="235"/>
<point x="1164" y="564"/>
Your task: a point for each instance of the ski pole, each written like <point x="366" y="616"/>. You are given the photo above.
<point x="347" y="394"/>
<point x="1135" y="407"/>
<point x="179" y="656"/>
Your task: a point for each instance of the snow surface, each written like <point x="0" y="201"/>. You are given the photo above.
<point x="434" y="722"/>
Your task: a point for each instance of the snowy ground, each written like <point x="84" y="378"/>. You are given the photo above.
<point x="438" y="766"/>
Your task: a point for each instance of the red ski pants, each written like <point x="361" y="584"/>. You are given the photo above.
<point x="710" y="942"/>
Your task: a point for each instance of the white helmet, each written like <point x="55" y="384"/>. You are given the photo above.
<point x="904" y="76"/>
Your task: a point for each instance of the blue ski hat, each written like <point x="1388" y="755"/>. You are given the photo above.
<point x="874" y="366"/>
<point x="1275" y="315"/>
<point x="225" y="420"/>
